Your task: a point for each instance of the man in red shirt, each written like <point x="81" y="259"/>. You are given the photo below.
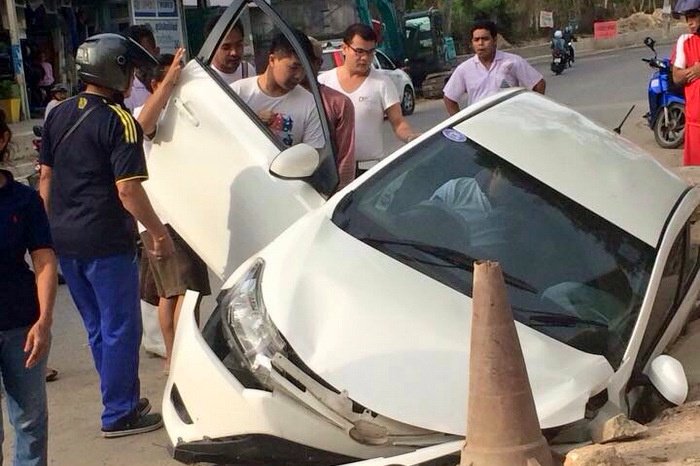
<point x="341" y="116"/>
<point x="686" y="71"/>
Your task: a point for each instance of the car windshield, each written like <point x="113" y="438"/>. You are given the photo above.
<point x="570" y="273"/>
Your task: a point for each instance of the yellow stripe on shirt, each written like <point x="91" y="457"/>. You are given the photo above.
<point x="131" y="123"/>
<point x="128" y="122"/>
<point x="129" y="178"/>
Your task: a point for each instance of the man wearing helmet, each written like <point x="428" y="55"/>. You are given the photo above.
<point x="92" y="166"/>
<point x="686" y="71"/>
<point x="558" y="42"/>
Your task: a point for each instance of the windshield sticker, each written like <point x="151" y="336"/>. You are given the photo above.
<point x="454" y="135"/>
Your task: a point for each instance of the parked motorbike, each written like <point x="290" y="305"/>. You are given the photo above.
<point x="666" y="115"/>
<point x="559" y="61"/>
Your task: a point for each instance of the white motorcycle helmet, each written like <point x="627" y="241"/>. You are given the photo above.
<point x="558" y="34"/>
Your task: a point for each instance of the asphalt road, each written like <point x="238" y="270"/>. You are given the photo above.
<point x="603" y="87"/>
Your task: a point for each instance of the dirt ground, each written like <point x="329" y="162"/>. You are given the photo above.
<point x="673" y="439"/>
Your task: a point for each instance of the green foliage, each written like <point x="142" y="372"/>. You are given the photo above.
<point x="9" y="90"/>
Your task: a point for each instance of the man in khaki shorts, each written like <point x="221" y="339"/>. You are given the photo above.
<point x="184" y="270"/>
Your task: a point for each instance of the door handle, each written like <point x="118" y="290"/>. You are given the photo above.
<point x="184" y="109"/>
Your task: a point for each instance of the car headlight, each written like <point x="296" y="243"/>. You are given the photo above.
<point x="245" y="315"/>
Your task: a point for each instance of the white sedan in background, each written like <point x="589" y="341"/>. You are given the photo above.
<point x="342" y="331"/>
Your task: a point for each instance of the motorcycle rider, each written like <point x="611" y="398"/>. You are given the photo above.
<point x="686" y="71"/>
<point x="559" y="49"/>
<point x="558" y="42"/>
<point x="569" y="39"/>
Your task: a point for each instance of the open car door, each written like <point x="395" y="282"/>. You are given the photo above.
<point x="210" y="165"/>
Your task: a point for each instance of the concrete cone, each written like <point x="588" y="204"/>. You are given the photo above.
<point x="502" y="424"/>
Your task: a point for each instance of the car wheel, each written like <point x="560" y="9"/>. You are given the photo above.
<point x="669" y="134"/>
<point x="408" y="101"/>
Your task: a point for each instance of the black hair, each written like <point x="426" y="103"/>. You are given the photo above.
<point x="359" y="29"/>
<point x="280" y="45"/>
<point x="139" y="32"/>
<point x="484" y="24"/>
<point x="209" y="26"/>
<point x="4" y="128"/>
<point x="164" y="62"/>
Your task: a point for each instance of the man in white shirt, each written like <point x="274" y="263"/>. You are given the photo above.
<point x="371" y="93"/>
<point x="228" y="58"/>
<point x="488" y="71"/>
<point x="276" y="97"/>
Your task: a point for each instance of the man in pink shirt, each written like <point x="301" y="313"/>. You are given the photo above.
<point x="488" y="71"/>
<point x="341" y="116"/>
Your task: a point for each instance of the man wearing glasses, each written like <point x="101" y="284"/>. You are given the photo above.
<point x="371" y="93"/>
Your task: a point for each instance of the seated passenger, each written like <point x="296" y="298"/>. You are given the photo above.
<point x="276" y="97"/>
<point x="475" y="200"/>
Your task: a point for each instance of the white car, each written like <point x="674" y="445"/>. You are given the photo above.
<point x="333" y="57"/>
<point x="342" y="331"/>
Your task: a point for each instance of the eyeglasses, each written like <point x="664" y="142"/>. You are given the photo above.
<point x="359" y="51"/>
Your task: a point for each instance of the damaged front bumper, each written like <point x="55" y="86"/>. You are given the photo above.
<point x="214" y="412"/>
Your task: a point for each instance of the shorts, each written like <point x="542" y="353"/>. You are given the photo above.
<point x="182" y="271"/>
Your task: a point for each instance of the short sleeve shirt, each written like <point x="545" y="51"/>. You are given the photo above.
<point x="138" y="94"/>
<point x="23" y="228"/>
<point x="687" y="54"/>
<point x="478" y="82"/>
<point x="244" y="70"/>
<point x="374" y="96"/>
<point x="87" y="217"/>
<point x="295" y="118"/>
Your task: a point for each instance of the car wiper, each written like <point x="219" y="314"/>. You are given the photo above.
<point x="561" y="320"/>
<point x="451" y="256"/>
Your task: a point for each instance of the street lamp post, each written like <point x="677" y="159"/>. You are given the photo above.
<point x="17" y="56"/>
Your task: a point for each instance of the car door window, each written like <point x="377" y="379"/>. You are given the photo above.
<point x="667" y="297"/>
<point x="237" y="53"/>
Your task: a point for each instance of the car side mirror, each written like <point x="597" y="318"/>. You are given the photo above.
<point x="668" y="377"/>
<point x="299" y="161"/>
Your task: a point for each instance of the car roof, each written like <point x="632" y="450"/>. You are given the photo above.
<point x="595" y="167"/>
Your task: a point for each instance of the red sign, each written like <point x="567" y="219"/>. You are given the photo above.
<point x="605" y="29"/>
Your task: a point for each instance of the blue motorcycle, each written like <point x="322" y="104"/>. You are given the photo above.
<point x="666" y="116"/>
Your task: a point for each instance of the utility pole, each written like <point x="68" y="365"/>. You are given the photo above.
<point x="666" y="18"/>
<point x="17" y="56"/>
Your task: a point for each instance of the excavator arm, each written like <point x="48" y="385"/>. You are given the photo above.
<point x="392" y="34"/>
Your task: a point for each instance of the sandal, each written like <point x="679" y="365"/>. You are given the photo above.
<point x="51" y="374"/>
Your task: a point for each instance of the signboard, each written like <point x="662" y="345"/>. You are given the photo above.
<point x="166" y="32"/>
<point x="163" y="18"/>
<point x="546" y="19"/>
<point x="604" y="29"/>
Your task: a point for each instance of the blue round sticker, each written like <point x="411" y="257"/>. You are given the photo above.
<point x="454" y="135"/>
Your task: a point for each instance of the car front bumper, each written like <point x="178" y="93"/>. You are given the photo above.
<point x="210" y="415"/>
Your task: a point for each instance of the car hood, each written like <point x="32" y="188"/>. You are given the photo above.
<point x="396" y="340"/>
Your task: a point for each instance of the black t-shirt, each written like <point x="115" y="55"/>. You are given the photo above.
<point x="23" y="227"/>
<point x="86" y="215"/>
